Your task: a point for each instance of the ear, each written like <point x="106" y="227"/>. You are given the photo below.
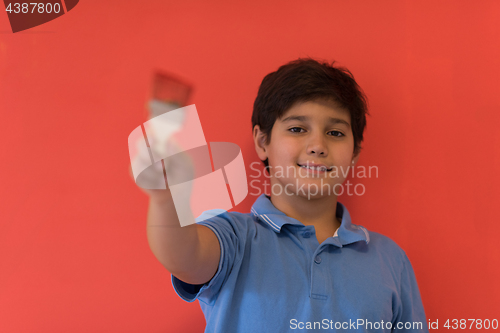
<point x="259" y="139"/>
<point x="355" y="159"/>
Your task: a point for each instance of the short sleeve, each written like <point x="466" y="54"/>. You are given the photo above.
<point x="410" y="315"/>
<point x="230" y="233"/>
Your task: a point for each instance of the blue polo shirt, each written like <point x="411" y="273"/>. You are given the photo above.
<point x="274" y="276"/>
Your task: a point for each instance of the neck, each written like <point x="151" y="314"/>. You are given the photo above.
<point x="320" y="212"/>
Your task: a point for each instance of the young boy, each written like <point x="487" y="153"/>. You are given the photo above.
<point x="296" y="262"/>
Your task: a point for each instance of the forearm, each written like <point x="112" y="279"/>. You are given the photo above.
<point x="191" y="253"/>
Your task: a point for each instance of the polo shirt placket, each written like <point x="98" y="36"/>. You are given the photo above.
<point x="320" y="274"/>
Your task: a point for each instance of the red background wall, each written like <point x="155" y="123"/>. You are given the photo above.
<point x="73" y="248"/>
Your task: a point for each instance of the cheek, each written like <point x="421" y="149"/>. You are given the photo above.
<point x="345" y="156"/>
<point x="284" y="153"/>
<point x="345" y="152"/>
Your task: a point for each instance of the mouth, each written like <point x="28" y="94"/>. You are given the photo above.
<point x="315" y="167"/>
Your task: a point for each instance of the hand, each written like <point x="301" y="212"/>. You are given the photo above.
<point x="178" y="167"/>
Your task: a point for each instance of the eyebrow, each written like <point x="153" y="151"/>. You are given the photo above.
<point x="331" y="120"/>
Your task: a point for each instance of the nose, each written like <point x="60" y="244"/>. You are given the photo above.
<point x="316" y="146"/>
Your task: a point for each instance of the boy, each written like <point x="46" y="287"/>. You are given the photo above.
<point x="296" y="262"/>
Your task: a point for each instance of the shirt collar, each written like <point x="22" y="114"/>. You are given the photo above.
<point x="348" y="233"/>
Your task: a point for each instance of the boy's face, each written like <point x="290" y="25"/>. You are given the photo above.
<point x="310" y="150"/>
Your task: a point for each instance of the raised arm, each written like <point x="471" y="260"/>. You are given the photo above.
<point x="191" y="253"/>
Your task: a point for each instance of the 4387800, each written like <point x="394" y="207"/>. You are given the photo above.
<point x="463" y="324"/>
<point x="33" y="8"/>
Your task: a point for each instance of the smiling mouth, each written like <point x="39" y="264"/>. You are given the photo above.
<point x="316" y="168"/>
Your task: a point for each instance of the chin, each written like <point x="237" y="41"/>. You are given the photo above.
<point x="308" y="188"/>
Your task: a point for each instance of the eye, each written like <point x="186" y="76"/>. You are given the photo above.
<point x="296" y="129"/>
<point x="337" y="133"/>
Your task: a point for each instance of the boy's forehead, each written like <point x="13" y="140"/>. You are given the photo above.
<point x="303" y="110"/>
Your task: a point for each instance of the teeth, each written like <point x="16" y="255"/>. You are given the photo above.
<point x="314" y="168"/>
